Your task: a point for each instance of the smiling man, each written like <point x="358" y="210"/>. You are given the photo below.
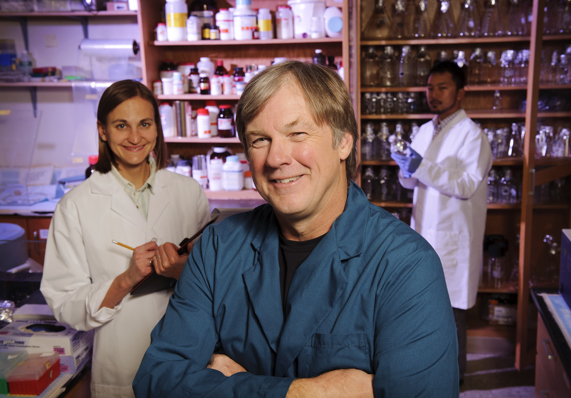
<point x="318" y="293"/>
<point x="447" y="167"/>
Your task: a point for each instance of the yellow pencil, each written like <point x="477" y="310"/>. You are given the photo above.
<point x="122" y="244"/>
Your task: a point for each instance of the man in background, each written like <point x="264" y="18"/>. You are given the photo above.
<point x="447" y="167"/>
<point x="317" y="293"/>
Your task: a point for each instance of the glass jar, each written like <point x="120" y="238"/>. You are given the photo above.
<point x="226" y="122"/>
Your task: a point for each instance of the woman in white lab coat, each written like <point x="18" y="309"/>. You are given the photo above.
<point x="132" y="200"/>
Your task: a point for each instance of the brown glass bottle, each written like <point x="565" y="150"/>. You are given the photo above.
<point x="226" y="122"/>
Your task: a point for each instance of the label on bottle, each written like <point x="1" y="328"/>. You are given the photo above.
<point x="176" y="20"/>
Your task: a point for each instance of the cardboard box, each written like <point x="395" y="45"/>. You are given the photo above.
<point x="39" y="336"/>
<point x="73" y="364"/>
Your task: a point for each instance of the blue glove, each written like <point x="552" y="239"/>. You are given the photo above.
<point x="407" y="163"/>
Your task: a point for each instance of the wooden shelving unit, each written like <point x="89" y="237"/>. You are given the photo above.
<point x="527" y="220"/>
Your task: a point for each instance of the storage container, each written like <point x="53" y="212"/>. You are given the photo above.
<point x="34" y="374"/>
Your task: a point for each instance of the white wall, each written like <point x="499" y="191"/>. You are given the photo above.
<point x="55" y="42"/>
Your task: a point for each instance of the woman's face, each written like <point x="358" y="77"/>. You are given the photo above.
<point x="131" y="132"/>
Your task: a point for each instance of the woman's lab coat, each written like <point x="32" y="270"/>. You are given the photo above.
<point x="449" y="202"/>
<point x="81" y="262"/>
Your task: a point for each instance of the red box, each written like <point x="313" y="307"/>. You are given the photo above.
<point x="34" y="374"/>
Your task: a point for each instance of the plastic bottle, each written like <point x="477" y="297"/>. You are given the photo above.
<point x="226" y="122"/>
<point x="26" y="64"/>
<point x="265" y="24"/>
<point x="203" y="123"/>
<point x="423" y="65"/>
<point x="176" y="14"/>
<point x="168" y="121"/>
<point x="177" y="84"/>
<point x="205" y="65"/>
<point x="244" y="20"/>
<point x="333" y="21"/>
<point x="227" y="85"/>
<point x="225" y="22"/>
<point x="315" y="28"/>
<point x="216" y="85"/>
<point x="232" y="174"/>
<point x="217" y="159"/>
<point x="193" y="28"/>
<point x="284" y="22"/>
<point x="200" y="170"/>
<point x="407" y="68"/>
<point x="92" y="160"/>
<point x="213" y="112"/>
<point x="319" y="58"/>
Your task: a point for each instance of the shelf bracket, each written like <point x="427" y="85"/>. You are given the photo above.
<point x="84" y="25"/>
<point x="23" y="21"/>
<point x="34" y="95"/>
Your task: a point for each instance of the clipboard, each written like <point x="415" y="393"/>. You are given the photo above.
<point x="154" y="282"/>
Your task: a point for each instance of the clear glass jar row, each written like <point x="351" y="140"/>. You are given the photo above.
<point x="393" y="103"/>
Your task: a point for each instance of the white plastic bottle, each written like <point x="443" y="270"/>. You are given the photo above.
<point x="232" y="174"/>
<point x="244" y="20"/>
<point x="265" y="24"/>
<point x="167" y="119"/>
<point x="213" y="112"/>
<point x="284" y="23"/>
<point x="26" y="64"/>
<point x="193" y="28"/>
<point x="333" y="21"/>
<point x="225" y="22"/>
<point x="177" y="83"/>
<point x="203" y="123"/>
<point x="176" y="12"/>
<point x="205" y="65"/>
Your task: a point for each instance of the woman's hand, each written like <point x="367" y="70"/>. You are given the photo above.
<point x="141" y="262"/>
<point x="168" y="262"/>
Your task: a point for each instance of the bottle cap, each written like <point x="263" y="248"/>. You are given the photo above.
<point x="224" y="106"/>
<point x="233" y="158"/>
<point x="203" y="111"/>
<point x="92" y="159"/>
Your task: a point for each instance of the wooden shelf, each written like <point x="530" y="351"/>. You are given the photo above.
<point x="256" y="42"/>
<point x="393" y="204"/>
<point x="504" y="206"/>
<point x="562" y="114"/>
<point x="564" y="37"/>
<point x="245" y="194"/>
<point x="491" y="114"/>
<point x="39" y="14"/>
<point x="479" y="87"/>
<point x="62" y="84"/>
<point x="501" y="290"/>
<point x="196" y="140"/>
<point x="397" y="116"/>
<point x="197" y="97"/>
<point x="447" y="41"/>
<point x="378" y="163"/>
<point x="555" y="86"/>
<point x="508" y="162"/>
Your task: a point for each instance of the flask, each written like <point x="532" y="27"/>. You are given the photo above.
<point x="384" y="148"/>
<point x="213" y="112"/>
<point x="421" y="21"/>
<point x="461" y="62"/>
<point x="176" y="14"/>
<point x="508" y="188"/>
<point x="369" y="183"/>
<point x="388" y="68"/>
<point x="516" y="19"/>
<point x="407" y="68"/>
<point x="493" y="194"/>
<point x="489" y="69"/>
<point x="244" y="20"/>
<point x="232" y="174"/>
<point x="385" y="188"/>
<point x="92" y="160"/>
<point x="203" y="123"/>
<point x="319" y="58"/>
<point x="368" y="144"/>
<point x="522" y="66"/>
<point x="468" y="20"/>
<point x="226" y="122"/>
<point x="168" y="121"/>
<point x="475" y="66"/>
<point x="284" y="23"/>
<point x="225" y="22"/>
<point x="423" y="65"/>
<point x="507" y="67"/>
<point x="443" y="23"/>
<point x="398" y="143"/>
<point x="379" y="24"/>
<point x="491" y="21"/>
<point x="398" y="20"/>
<point x="204" y="83"/>
<point x="441" y="56"/>
<point x="265" y="24"/>
<point x="370" y="68"/>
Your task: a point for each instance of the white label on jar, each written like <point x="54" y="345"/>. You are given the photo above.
<point x="203" y="125"/>
<point x="224" y="124"/>
<point x="233" y="180"/>
<point x="244" y="26"/>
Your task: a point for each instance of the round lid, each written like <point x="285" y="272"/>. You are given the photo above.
<point x="219" y="62"/>
<point x="224" y="106"/>
<point x="318" y="51"/>
<point x="92" y="159"/>
<point x="10" y="231"/>
<point x="161" y="24"/>
<point x="203" y="74"/>
<point x="203" y="111"/>
<point x="219" y="149"/>
<point x="233" y="158"/>
<point x="335" y="24"/>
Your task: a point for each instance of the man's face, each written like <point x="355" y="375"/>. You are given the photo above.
<point x="443" y="97"/>
<point x="294" y="165"/>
